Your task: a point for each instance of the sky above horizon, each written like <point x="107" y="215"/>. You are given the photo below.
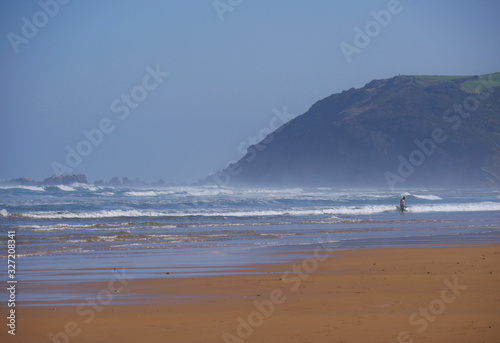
<point x="178" y="89"/>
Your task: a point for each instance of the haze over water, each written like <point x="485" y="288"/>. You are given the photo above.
<point x="195" y="230"/>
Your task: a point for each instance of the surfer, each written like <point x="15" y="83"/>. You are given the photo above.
<point x="402" y="203"/>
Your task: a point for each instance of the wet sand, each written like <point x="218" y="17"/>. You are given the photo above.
<point x="439" y="294"/>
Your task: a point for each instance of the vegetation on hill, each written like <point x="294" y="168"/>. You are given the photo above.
<point x="403" y="131"/>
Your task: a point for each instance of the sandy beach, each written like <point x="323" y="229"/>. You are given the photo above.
<point x="437" y="294"/>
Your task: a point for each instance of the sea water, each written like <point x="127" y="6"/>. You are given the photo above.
<point x="68" y="234"/>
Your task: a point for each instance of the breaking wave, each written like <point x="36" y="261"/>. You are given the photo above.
<point x="338" y="210"/>
<point x="428" y="197"/>
<point x="465" y="207"/>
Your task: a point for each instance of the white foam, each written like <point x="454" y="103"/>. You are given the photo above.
<point x="143" y="193"/>
<point x="360" y="210"/>
<point x="465" y="207"/>
<point x="4" y="213"/>
<point x="65" y="188"/>
<point x="57" y="227"/>
<point x="199" y="192"/>
<point x="254" y="213"/>
<point x="76" y="241"/>
<point x="428" y="197"/>
<point x="86" y="186"/>
<point x="67" y="227"/>
<point x="331" y="211"/>
<point x="91" y="215"/>
<point x="29" y="188"/>
<point x="179" y="192"/>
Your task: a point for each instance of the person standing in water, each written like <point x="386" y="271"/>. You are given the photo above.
<point x="402" y="203"/>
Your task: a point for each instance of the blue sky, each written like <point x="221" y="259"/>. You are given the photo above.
<point x="190" y="85"/>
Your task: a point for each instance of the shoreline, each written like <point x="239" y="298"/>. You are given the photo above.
<point x="419" y="294"/>
<point x="218" y="262"/>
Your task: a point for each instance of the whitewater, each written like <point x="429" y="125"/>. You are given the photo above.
<point x="192" y="230"/>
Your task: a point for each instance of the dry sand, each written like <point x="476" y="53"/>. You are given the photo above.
<point x="444" y="294"/>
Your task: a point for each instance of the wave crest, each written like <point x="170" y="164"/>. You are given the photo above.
<point x="428" y="197"/>
<point x="332" y="211"/>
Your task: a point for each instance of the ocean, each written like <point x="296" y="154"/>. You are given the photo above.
<point x="67" y="234"/>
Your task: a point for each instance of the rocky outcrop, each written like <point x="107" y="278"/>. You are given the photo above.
<point x="65" y="180"/>
<point x="23" y="181"/>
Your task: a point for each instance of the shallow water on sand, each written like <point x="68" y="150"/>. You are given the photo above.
<point x="72" y="233"/>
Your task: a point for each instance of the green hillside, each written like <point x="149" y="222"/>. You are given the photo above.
<point x="471" y="85"/>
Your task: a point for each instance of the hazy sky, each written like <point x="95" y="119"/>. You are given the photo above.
<point x="173" y="89"/>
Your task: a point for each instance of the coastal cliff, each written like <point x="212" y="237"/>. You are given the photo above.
<point x="403" y="131"/>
